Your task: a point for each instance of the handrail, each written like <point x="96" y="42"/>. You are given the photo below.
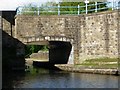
<point x="58" y="10"/>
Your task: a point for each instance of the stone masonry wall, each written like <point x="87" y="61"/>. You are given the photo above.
<point x="8" y="22"/>
<point x="39" y="26"/>
<point x="28" y="26"/>
<point x="99" y="35"/>
<point x="94" y="35"/>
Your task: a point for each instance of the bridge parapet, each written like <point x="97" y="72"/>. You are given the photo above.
<point x="46" y="26"/>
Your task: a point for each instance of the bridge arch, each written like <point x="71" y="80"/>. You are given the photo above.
<point x="61" y="49"/>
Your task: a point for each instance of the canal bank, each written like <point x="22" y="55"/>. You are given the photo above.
<point x="104" y="65"/>
<point x="83" y="69"/>
<point x="76" y="68"/>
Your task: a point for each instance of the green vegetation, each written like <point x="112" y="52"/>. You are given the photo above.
<point x="34" y="49"/>
<point x="51" y="8"/>
<point x="29" y="9"/>
<point x="102" y="66"/>
<point x="103" y="60"/>
<point x="44" y="9"/>
<point x="105" y="63"/>
<point x="82" y="9"/>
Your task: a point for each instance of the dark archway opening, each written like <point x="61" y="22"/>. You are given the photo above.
<point x="59" y="52"/>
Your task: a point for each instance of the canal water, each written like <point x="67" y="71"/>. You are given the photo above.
<point x="45" y="78"/>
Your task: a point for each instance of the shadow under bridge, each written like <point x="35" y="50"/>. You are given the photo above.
<point x="59" y="51"/>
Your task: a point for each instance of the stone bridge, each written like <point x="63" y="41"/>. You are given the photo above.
<point x="88" y="36"/>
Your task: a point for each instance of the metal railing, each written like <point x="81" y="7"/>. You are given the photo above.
<point x="60" y="10"/>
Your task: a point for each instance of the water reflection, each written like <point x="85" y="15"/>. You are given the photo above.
<point x="44" y="78"/>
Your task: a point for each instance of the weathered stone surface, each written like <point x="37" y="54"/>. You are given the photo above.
<point x="8" y="22"/>
<point x="94" y="35"/>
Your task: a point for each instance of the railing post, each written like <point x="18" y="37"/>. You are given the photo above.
<point x="112" y="4"/>
<point x="86" y="2"/>
<point x="78" y="9"/>
<point x="86" y="8"/>
<point x="118" y="5"/>
<point x="38" y="10"/>
<point x="95" y="6"/>
<point x="58" y="8"/>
